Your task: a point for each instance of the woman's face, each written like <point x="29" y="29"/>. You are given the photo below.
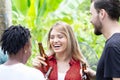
<point x="58" y="41"/>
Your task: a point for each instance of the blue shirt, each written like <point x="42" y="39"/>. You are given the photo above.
<point x="3" y="57"/>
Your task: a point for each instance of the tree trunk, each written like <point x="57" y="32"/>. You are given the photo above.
<point x="5" y="15"/>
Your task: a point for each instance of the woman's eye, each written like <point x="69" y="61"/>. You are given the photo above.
<point x="51" y="37"/>
<point x="60" y="36"/>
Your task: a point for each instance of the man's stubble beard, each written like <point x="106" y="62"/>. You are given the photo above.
<point x="98" y="27"/>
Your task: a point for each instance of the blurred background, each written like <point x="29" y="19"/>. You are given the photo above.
<point x="40" y="15"/>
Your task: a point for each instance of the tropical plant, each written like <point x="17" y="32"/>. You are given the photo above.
<point x="40" y="15"/>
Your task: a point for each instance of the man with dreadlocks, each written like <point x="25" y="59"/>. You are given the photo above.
<point x="16" y="42"/>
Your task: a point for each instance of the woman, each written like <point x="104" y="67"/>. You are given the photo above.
<point x="16" y="42"/>
<point x="65" y="58"/>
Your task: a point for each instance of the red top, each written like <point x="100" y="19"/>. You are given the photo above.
<point x="72" y="74"/>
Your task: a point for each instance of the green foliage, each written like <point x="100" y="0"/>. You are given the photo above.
<point x="40" y="15"/>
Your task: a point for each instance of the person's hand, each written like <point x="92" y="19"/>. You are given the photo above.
<point x="38" y="61"/>
<point x="91" y="73"/>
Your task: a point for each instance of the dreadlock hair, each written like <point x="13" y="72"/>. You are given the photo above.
<point x="14" y="38"/>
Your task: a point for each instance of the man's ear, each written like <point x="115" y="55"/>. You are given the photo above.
<point x="25" y="47"/>
<point x="102" y="14"/>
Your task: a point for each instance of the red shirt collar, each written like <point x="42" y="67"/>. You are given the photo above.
<point x="72" y="61"/>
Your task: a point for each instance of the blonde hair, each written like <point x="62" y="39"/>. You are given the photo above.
<point x="73" y="46"/>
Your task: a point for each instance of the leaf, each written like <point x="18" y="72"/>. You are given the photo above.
<point x="21" y="6"/>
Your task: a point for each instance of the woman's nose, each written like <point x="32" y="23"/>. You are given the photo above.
<point x="55" y="39"/>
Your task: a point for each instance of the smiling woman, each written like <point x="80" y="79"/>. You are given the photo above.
<point x="65" y="57"/>
<point x="58" y="40"/>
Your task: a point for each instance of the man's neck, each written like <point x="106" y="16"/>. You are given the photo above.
<point x="12" y="62"/>
<point x="14" y="59"/>
<point x="111" y="28"/>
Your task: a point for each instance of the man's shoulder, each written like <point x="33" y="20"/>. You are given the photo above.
<point x="26" y="72"/>
<point x="32" y="69"/>
<point x="33" y="73"/>
<point x="114" y="40"/>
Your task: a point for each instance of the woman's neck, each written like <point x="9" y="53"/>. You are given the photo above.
<point x="63" y="60"/>
<point x="62" y="57"/>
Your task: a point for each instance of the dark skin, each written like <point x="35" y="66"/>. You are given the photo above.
<point x="21" y="56"/>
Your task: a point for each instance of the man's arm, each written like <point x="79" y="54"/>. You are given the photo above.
<point x="116" y="78"/>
